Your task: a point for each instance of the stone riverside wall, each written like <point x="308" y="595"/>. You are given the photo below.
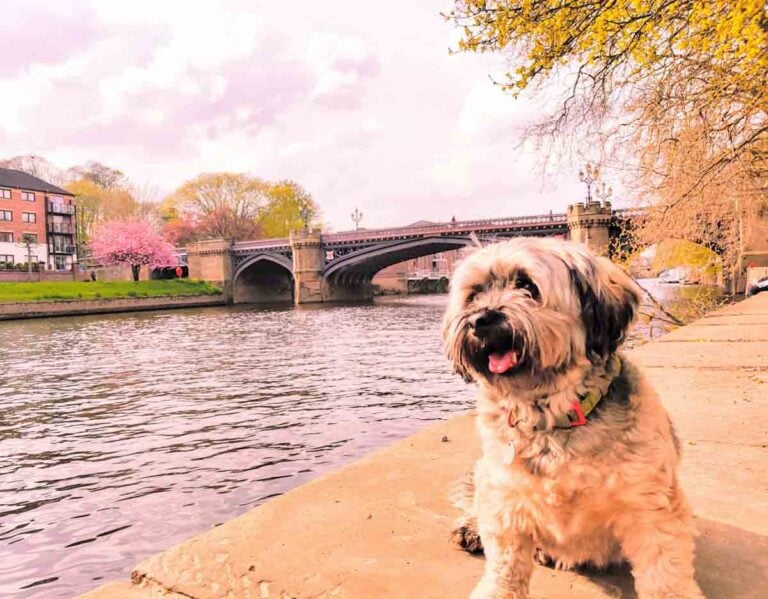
<point x="17" y="310"/>
<point x="378" y="528"/>
<point x="22" y="276"/>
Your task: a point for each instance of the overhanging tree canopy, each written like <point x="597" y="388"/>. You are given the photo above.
<point x="647" y="69"/>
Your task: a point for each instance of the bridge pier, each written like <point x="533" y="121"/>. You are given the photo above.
<point x="310" y="284"/>
<point x="590" y="224"/>
<point x="308" y="260"/>
<point x="211" y="260"/>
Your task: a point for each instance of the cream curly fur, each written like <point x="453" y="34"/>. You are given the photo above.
<point x="599" y="493"/>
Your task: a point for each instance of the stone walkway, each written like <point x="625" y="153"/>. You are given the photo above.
<point x="379" y="527"/>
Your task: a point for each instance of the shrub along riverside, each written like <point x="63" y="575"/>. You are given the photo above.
<point x="90" y="290"/>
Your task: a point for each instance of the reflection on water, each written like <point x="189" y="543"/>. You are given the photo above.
<point x="122" y="435"/>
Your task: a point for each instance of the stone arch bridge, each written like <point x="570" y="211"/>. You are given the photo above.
<point x="310" y="266"/>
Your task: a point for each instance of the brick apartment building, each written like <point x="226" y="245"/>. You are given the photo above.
<point x="30" y="206"/>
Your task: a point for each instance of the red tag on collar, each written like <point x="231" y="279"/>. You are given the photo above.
<point x="580" y="418"/>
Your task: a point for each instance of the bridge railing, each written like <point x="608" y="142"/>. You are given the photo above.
<point x="458" y="226"/>
<point x="261" y="244"/>
<point x="634" y="212"/>
<point x="553" y="219"/>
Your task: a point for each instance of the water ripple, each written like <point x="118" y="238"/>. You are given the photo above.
<point x="121" y="435"/>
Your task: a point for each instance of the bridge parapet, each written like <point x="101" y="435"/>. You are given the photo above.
<point x="262" y="244"/>
<point x="449" y="228"/>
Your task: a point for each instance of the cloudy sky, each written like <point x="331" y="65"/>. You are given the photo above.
<point x="358" y="101"/>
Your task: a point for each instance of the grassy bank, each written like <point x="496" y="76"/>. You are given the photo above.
<point x="82" y="290"/>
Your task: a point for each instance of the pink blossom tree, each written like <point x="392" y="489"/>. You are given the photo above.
<point x="132" y="242"/>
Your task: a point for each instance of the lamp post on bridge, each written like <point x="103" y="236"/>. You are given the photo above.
<point x="357" y="216"/>
<point x="590" y="223"/>
<point x="305" y="214"/>
<point x="603" y="191"/>
<point x="588" y="176"/>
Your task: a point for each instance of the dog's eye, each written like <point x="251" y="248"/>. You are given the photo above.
<point x="473" y="294"/>
<point x="522" y="281"/>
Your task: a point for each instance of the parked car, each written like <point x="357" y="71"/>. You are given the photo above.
<point x="673" y="275"/>
<point x="755" y="288"/>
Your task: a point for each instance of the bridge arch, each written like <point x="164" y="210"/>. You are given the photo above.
<point x="361" y="266"/>
<point x="263" y="278"/>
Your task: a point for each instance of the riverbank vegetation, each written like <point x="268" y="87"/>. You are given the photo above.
<point x="703" y="264"/>
<point x="90" y="290"/>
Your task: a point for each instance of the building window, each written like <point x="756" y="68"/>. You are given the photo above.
<point x="6" y="259"/>
<point x="60" y="262"/>
<point x="32" y="237"/>
<point x="59" y="246"/>
<point x="28" y="217"/>
<point x="6" y="215"/>
<point x="7" y="237"/>
<point x="5" y="194"/>
<point x="28" y="196"/>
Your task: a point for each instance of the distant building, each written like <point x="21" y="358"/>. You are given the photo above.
<point x="30" y="206"/>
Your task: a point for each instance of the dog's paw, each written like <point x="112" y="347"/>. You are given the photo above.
<point x="466" y="537"/>
<point x="544" y="559"/>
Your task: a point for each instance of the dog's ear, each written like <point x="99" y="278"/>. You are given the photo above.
<point x="609" y="298"/>
<point x="453" y="344"/>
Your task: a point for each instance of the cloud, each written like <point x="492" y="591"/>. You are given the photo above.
<point x="363" y="108"/>
<point x="342" y="66"/>
<point x="154" y="89"/>
<point x="33" y="33"/>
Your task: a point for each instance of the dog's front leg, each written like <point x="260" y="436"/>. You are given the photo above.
<point x="508" y="561"/>
<point x="659" y="545"/>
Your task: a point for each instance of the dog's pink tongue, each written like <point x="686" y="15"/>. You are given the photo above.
<point x="500" y="363"/>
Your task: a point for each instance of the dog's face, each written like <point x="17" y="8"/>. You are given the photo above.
<point x="533" y="307"/>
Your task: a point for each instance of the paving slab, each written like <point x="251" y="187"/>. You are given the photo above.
<point x="701" y="399"/>
<point x="379" y="527"/>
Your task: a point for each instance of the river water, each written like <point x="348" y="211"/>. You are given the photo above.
<point x="121" y="435"/>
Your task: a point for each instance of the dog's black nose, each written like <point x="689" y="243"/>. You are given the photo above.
<point x="485" y="321"/>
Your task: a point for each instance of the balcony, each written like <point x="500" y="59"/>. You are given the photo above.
<point x="62" y="249"/>
<point x="59" y="208"/>
<point x="62" y="228"/>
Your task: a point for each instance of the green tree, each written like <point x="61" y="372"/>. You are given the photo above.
<point x="641" y="73"/>
<point x="96" y="203"/>
<point x="28" y="242"/>
<point x="289" y="207"/>
<point x="228" y="203"/>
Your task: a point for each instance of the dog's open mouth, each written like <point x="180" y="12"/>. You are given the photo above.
<point x="500" y="362"/>
<point x="498" y="351"/>
<point x="501" y="353"/>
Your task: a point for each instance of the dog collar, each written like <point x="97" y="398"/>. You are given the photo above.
<point x="580" y="409"/>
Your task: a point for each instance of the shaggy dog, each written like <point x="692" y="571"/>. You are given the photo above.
<point x="579" y="457"/>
